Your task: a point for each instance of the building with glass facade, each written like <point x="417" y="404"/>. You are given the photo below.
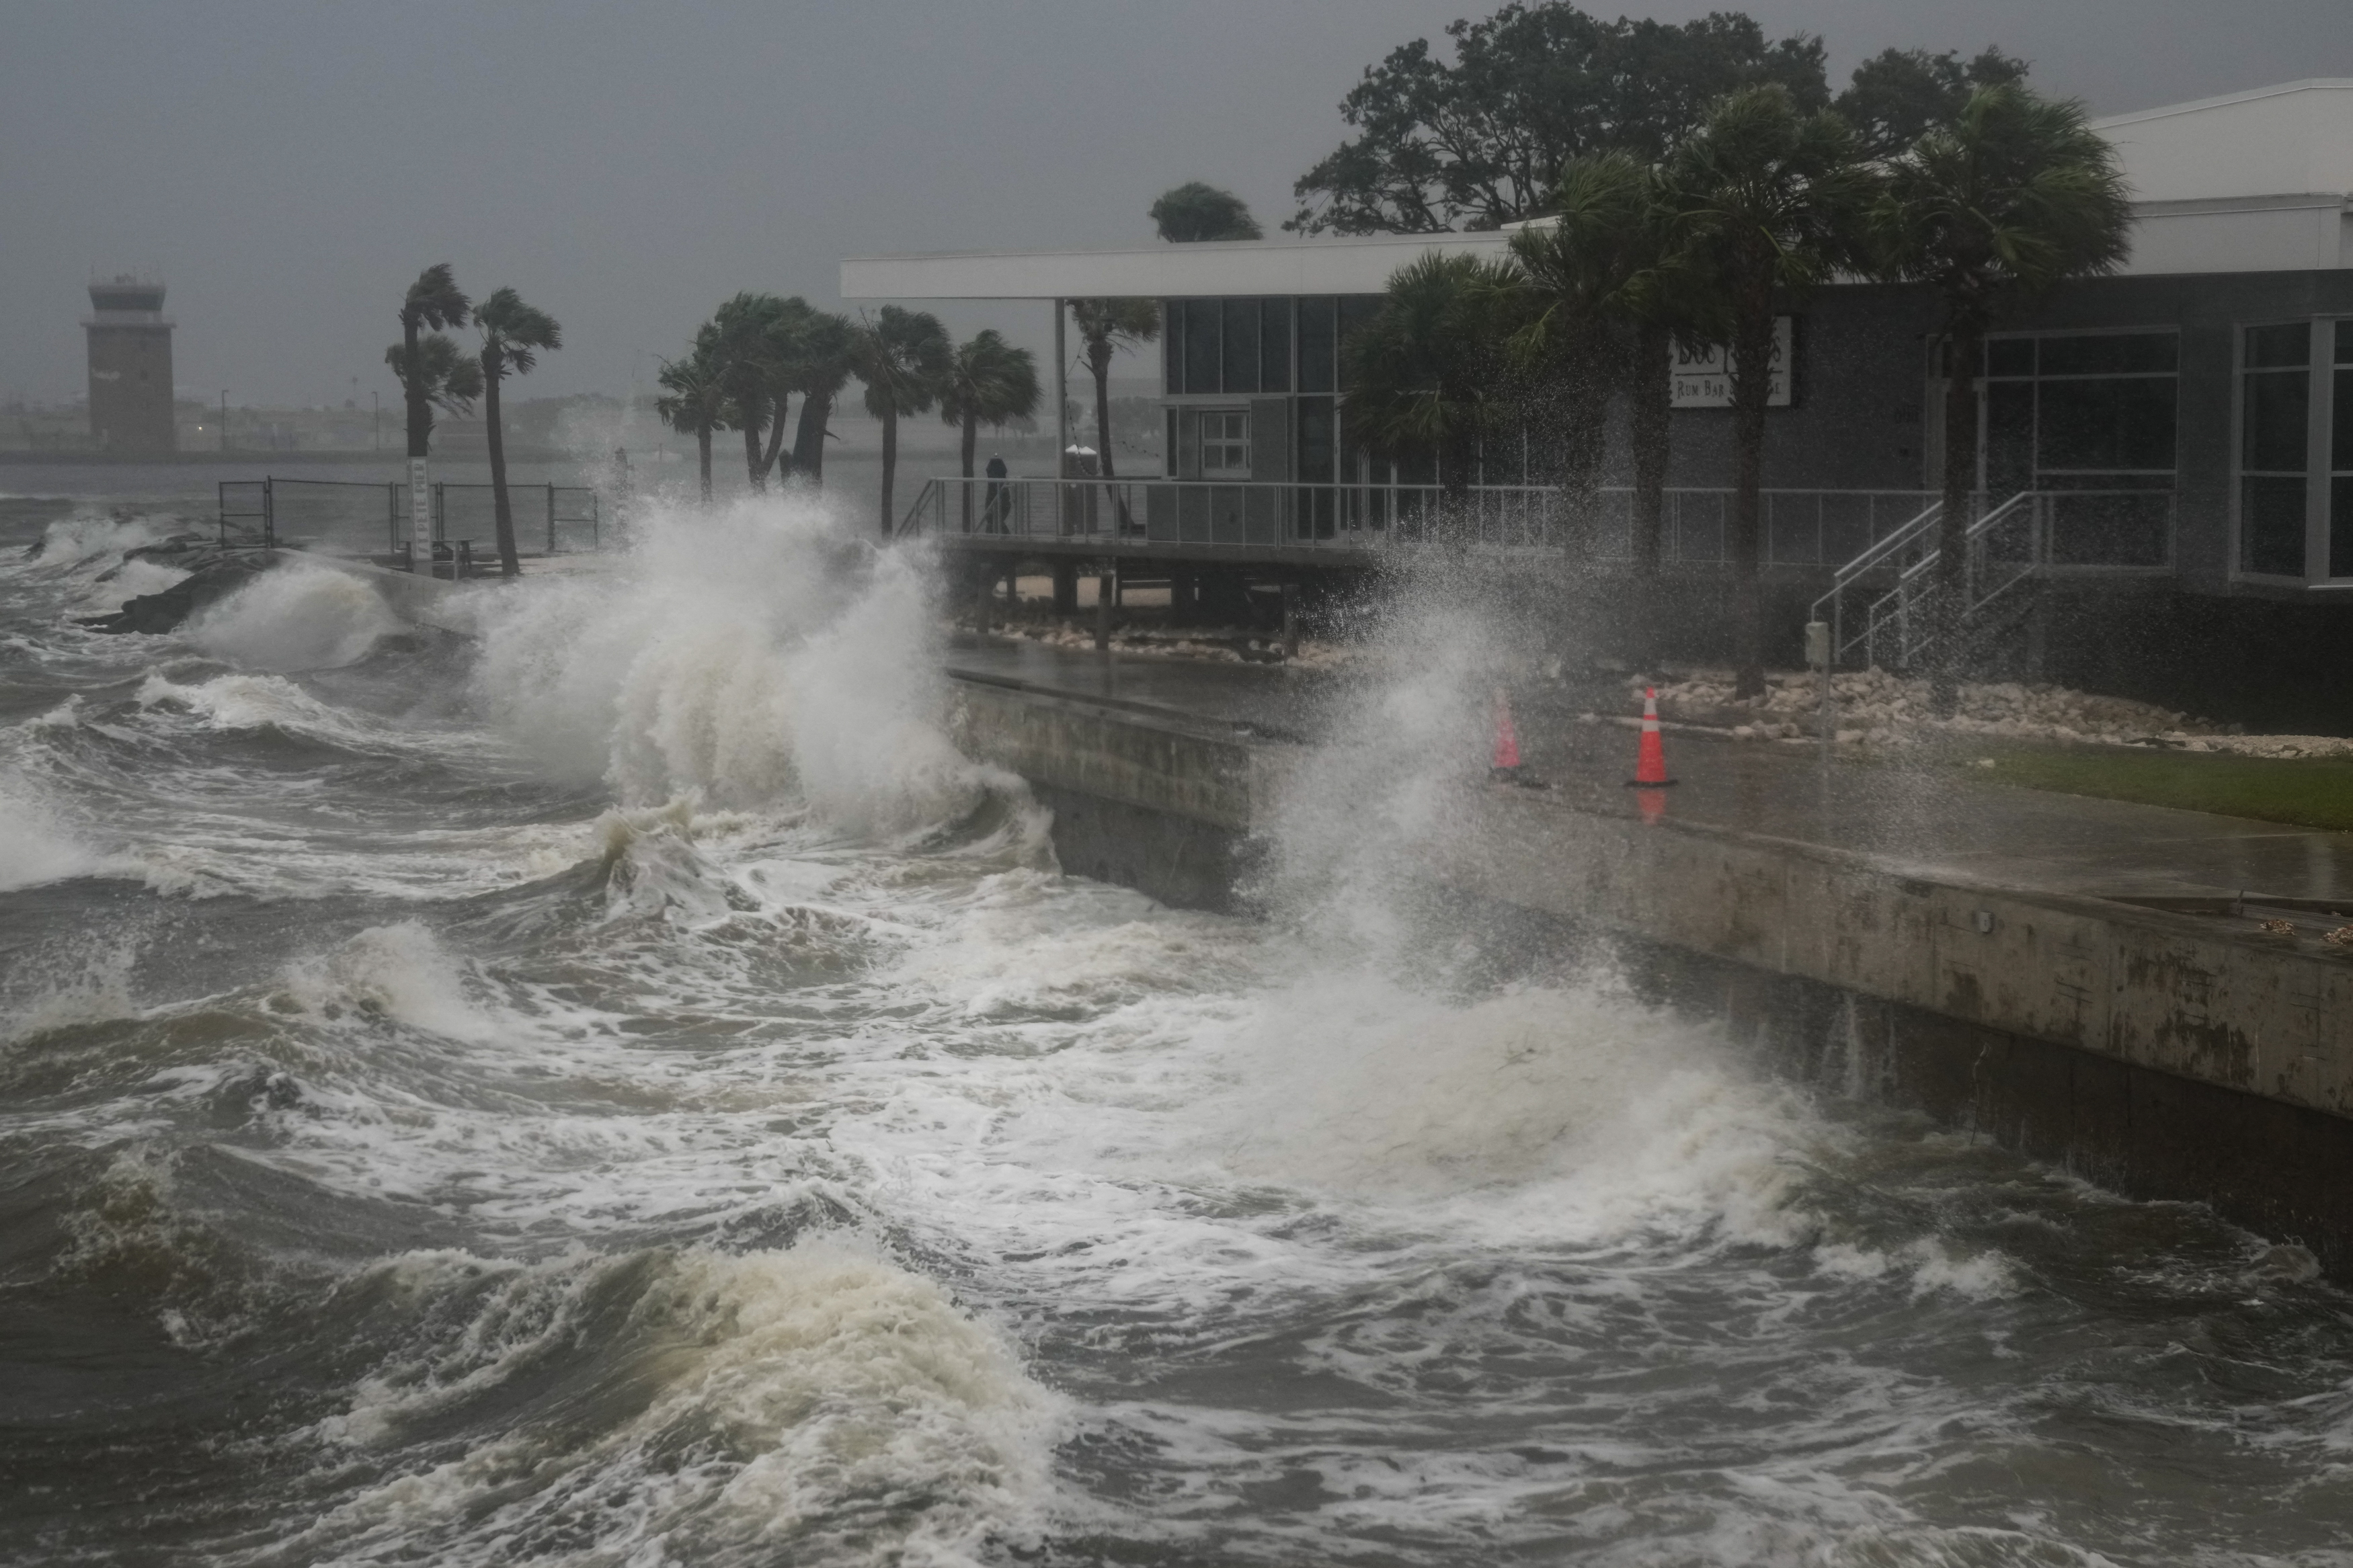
<point x="2191" y="417"/>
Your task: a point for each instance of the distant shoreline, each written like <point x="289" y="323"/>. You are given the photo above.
<point x="259" y="455"/>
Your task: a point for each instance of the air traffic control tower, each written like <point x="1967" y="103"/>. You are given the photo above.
<point x="130" y="366"/>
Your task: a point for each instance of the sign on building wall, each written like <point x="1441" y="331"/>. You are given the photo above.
<point x="1704" y="373"/>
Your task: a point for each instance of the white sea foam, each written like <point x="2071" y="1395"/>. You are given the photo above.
<point x="1625" y="1117"/>
<point x="750" y="656"/>
<point x="37" y="845"/>
<point x="400" y="972"/>
<point x="84" y="536"/>
<point x="797" y="1401"/>
<point x="86" y="988"/>
<point x="297" y="617"/>
<point x="131" y="580"/>
<point x="257" y="702"/>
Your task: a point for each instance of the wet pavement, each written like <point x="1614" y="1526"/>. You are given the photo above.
<point x="1925" y="815"/>
<point x="1275" y="700"/>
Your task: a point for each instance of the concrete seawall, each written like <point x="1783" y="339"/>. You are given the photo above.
<point x="2160" y="1053"/>
<point x="1143" y="798"/>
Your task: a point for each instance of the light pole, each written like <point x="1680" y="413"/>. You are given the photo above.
<point x="224" y="418"/>
<point x="375" y="418"/>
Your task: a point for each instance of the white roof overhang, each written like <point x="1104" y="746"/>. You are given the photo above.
<point x="1360" y="265"/>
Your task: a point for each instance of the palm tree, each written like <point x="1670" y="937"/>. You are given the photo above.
<point x="694" y="400"/>
<point x="1105" y="326"/>
<point x="904" y="357"/>
<point x="1669" y="298"/>
<point x="1773" y="199"/>
<point x="1615" y="268"/>
<point x="433" y="300"/>
<point x="822" y="366"/>
<point x="2014" y="196"/>
<point x="1572" y="278"/>
<point x="990" y="382"/>
<point x="1422" y="377"/>
<point x="757" y="345"/>
<point x="513" y="333"/>
<point x="451" y="379"/>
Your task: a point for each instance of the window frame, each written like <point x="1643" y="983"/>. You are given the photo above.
<point x="2123" y="480"/>
<point x="1225" y="441"/>
<point x="2319" y="475"/>
<point x="2035" y="379"/>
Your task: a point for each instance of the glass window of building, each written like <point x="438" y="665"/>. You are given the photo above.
<point x="1225" y="443"/>
<point x="2089" y="417"/>
<point x="2274" y="444"/>
<point x="1204" y="340"/>
<point x="1318" y="341"/>
<point x="1274" y="345"/>
<point x="2341" y="454"/>
<point x="1172" y="347"/>
<point x="1242" y="346"/>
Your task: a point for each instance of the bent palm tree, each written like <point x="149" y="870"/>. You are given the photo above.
<point x="513" y="335"/>
<point x="1667" y="299"/>
<point x="1572" y="277"/>
<point x="990" y="382"/>
<point x="448" y="378"/>
<point x="433" y="300"/>
<point x="694" y="399"/>
<point x="2015" y="195"/>
<point x="902" y="356"/>
<point x="756" y="337"/>
<point x="1106" y="326"/>
<point x="1422" y="374"/>
<point x="1615" y="250"/>
<point x="1772" y="198"/>
<point x="821" y="368"/>
<point x="437" y="375"/>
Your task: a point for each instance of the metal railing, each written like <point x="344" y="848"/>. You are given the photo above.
<point x="244" y="513"/>
<point x="347" y="517"/>
<point x="1798" y="527"/>
<point x="1883" y="606"/>
<point x="567" y="513"/>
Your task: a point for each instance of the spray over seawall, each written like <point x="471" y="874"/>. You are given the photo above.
<point x="748" y="656"/>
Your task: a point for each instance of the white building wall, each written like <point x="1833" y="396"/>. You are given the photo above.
<point x="2294" y="137"/>
<point x="2290" y="233"/>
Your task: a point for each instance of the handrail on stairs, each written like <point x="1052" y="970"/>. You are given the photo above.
<point x="931" y="495"/>
<point x="1897" y="611"/>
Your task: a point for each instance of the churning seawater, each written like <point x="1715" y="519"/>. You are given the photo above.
<point x="619" y="1088"/>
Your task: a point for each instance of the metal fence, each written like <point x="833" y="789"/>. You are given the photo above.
<point x="564" y="517"/>
<point x="348" y="518"/>
<point x="1798" y="527"/>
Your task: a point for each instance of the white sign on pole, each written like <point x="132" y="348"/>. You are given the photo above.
<point x="1703" y="371"/>
<point x="420" y="519"/>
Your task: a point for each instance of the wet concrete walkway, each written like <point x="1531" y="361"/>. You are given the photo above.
<point x="1926" y="816"/>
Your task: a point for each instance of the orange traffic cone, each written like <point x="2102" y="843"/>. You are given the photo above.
<point x="1651" y="758"/>
<point x="1508" y="740"/>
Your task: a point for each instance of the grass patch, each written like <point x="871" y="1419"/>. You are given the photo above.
<point x="2306" y="792"/>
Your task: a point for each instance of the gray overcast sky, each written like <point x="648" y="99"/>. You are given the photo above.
<point x="288" y="167"/>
